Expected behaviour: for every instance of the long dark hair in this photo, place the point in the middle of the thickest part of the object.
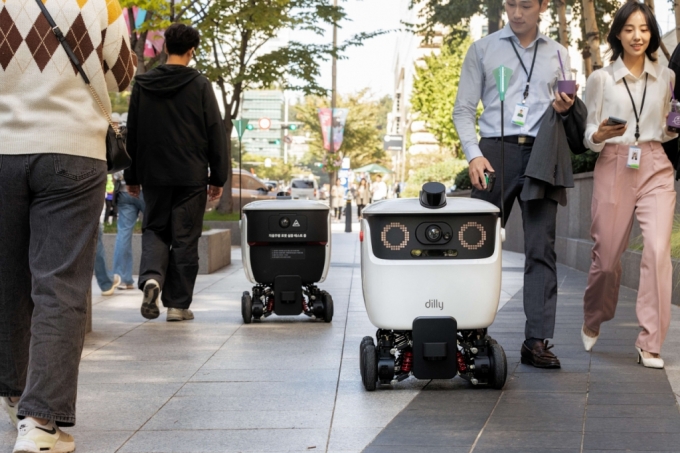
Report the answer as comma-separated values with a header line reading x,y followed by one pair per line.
x,y
620,19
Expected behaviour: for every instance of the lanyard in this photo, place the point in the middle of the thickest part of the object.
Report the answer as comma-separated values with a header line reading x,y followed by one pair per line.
x,y
637,117
529,74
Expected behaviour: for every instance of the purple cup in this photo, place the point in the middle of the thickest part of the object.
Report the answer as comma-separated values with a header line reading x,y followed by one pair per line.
x,y
567,87
673,121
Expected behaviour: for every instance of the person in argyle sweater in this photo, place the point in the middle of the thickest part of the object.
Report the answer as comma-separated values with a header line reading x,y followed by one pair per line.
x,y
52,175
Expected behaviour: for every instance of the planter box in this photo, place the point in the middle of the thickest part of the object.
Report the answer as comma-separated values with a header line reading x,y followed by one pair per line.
x,y
232,225
214,250
573,243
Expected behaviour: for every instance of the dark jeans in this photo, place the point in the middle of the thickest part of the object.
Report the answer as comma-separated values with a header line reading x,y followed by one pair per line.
x,y
173,223
539,219
360,207
49,215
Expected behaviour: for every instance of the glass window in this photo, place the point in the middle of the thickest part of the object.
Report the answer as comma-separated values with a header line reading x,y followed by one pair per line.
x,y
302,184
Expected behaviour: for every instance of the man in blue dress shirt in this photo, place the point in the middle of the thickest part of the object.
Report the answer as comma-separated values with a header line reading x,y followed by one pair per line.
x,y
533,58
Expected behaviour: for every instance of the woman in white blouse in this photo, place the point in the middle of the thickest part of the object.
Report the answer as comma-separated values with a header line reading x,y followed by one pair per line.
x,y
632,176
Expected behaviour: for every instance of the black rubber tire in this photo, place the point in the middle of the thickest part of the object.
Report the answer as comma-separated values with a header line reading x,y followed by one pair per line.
x,y
327,307
364,342
247,307
499,373
370,367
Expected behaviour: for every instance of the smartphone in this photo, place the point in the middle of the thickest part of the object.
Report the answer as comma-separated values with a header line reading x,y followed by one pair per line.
x,y
614,121
490,180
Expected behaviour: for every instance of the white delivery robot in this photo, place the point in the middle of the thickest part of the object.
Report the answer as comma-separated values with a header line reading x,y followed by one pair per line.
x,y
286,247
431,277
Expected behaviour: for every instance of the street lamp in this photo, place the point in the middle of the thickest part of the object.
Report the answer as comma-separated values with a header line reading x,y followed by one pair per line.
x,y
241,126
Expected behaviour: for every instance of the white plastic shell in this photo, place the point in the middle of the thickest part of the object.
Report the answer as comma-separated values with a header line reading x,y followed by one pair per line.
x,y
398,291
279,206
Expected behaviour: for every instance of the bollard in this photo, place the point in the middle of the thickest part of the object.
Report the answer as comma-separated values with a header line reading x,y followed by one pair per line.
x,y
348,216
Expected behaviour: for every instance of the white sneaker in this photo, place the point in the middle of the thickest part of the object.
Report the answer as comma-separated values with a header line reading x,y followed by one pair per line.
x,y
36,438
116,282
152,290
179,314
11,409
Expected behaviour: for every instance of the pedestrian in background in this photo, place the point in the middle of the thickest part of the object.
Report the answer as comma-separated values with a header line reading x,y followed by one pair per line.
x,y
107,280
110,213
533,58
52,177
379,189
633,177
129,209
338,198
178,144
363,196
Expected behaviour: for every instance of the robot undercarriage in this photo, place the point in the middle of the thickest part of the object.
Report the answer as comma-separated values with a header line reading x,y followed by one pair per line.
x,y
478,358
295,300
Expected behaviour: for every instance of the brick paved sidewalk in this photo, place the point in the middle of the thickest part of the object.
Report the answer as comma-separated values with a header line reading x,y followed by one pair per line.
x,y
599,401
293,384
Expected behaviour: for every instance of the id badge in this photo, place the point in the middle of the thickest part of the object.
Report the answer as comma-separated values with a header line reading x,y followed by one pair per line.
x,y
519,118
634,154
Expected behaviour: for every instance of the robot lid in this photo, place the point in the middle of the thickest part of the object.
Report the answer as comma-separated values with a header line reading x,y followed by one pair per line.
x,y
432,200
408,206
285,205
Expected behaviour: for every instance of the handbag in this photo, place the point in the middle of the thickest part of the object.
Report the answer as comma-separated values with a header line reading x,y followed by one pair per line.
x,y
117,157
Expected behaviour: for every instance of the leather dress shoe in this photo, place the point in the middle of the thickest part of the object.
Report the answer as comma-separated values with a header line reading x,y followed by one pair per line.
x,y
539,355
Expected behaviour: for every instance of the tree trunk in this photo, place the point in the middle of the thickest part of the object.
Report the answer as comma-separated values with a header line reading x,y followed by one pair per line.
x,y
494,14
562,30
592,36
587,62
676,8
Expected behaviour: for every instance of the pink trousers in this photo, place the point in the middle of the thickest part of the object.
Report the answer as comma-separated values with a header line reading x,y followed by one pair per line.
x,y
618,193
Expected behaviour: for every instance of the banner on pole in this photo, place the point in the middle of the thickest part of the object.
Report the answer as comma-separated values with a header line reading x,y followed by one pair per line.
x,y
339,119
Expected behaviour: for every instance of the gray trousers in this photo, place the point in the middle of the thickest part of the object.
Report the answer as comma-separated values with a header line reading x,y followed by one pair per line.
x,y
49,214
539,222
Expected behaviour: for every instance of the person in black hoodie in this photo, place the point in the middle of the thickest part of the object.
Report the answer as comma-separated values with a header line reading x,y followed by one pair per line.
x,y
178,145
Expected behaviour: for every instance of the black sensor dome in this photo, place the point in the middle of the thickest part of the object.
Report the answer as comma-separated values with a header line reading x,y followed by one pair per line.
x,y
433,195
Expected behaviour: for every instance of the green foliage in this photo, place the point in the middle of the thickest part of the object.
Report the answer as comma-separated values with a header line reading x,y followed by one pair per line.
x,y
362,142
443,172
604,9
120,102
277,172
463,181
219,217
435,88
455,15
585,162
112,228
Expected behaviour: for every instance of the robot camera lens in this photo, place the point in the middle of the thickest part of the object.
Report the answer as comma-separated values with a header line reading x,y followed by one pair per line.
x,y
433,233
284,222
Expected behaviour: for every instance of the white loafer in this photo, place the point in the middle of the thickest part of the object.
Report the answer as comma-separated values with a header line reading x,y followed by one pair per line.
x,y
588,342
649,362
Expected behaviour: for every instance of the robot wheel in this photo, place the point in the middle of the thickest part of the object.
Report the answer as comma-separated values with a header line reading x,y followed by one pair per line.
x,y
247,307
480,359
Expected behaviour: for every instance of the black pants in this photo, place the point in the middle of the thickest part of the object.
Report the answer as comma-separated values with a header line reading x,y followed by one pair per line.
x,y
539,222
111,211
359,208
173,222
338,212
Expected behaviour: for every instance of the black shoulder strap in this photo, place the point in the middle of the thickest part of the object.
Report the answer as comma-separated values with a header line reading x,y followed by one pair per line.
x,y
62,40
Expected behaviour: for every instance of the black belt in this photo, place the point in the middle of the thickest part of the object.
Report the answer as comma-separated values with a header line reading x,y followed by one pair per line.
x,y
516,139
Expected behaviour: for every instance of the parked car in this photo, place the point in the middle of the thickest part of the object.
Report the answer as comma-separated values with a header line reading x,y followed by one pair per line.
x,y
272,185
252,189
304,188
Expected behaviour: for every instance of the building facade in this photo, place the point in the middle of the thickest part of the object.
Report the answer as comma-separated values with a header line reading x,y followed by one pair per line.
x,y
258,105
